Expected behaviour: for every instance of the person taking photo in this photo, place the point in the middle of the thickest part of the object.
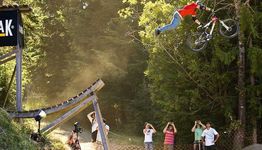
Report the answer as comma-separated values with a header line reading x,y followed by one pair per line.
x,y
148,131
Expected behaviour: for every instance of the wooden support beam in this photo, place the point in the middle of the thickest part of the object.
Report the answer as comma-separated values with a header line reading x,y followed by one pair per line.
x,y
9,87
67,116
6,60
100,123
21,8
19,57
8,54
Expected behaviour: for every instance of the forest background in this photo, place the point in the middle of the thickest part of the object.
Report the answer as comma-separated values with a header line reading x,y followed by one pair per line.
x,y
69,44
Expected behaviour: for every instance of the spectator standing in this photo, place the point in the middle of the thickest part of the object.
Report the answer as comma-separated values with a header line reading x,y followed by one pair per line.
x,y
169,131
197,129
148,131
209,137
92,118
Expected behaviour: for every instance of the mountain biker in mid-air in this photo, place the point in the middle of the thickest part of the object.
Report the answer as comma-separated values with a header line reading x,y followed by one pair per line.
x,y
187,10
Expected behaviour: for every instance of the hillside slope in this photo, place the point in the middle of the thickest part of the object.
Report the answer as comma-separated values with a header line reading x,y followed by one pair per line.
x,y
12,135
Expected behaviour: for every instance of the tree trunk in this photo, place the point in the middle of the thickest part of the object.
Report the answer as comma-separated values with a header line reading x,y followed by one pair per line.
x,y
1,2
239,136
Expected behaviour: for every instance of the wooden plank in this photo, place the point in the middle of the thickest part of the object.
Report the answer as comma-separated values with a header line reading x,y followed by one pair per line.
x,y
101,126
21,8
6,60
8,54
19,68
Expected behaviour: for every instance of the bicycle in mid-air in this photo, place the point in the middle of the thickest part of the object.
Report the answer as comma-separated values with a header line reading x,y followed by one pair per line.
x,y
198,40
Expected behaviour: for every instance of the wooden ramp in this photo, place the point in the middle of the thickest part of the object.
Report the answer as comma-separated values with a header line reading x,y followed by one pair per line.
x,y
96,86
72,107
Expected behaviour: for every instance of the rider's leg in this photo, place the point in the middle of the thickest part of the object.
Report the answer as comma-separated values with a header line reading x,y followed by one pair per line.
x,y
174,23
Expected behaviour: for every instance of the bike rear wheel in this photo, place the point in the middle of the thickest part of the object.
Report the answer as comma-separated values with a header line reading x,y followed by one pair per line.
x,y
232,29
197,41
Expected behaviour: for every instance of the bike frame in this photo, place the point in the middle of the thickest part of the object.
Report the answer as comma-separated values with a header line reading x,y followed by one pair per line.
x,y
198,40
213,22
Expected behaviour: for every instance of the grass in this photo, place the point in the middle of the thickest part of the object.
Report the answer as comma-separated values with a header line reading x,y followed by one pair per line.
x,y
14,136
125,139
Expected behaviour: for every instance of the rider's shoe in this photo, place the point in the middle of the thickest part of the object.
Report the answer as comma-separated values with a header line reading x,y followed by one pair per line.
x,y
157,32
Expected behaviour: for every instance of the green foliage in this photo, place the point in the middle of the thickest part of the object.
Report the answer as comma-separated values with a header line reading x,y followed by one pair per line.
x,y
17,136
251,23
247,22
14,136
147,78
254,55
34,30
185,85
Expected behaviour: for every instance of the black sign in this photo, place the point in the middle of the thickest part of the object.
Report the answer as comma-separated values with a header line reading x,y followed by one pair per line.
x,y
10,25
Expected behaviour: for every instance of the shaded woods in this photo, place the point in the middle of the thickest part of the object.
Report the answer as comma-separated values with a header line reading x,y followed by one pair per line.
x,y
69,44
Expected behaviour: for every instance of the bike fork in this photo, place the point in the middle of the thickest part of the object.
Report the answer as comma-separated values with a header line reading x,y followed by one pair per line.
x,y
209,35
212,28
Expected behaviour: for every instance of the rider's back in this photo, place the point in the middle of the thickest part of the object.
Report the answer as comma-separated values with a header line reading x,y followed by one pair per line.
x,y
189,9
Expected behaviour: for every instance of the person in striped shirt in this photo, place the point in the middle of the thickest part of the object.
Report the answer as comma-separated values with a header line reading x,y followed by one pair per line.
x,y
169,131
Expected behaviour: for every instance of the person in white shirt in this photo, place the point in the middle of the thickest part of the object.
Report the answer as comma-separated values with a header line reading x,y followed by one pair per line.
x,y
209,137
92,118
148,131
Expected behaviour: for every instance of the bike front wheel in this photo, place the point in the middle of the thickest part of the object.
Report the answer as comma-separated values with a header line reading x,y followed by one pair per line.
x,y
229,28
197,41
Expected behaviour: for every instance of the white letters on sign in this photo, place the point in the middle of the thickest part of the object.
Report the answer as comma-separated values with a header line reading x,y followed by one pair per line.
x,y
6,27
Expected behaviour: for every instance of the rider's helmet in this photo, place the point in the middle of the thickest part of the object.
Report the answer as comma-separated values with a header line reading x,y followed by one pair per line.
x,y
202,6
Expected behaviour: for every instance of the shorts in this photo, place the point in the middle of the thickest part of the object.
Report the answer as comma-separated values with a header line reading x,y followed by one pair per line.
x,y
148,145
198,142
94,135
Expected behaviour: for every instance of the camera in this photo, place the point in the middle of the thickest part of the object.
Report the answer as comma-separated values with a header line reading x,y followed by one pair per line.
x,y
77,129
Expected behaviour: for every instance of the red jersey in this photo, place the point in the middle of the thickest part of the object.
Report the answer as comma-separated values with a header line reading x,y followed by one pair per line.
x,y
188,10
